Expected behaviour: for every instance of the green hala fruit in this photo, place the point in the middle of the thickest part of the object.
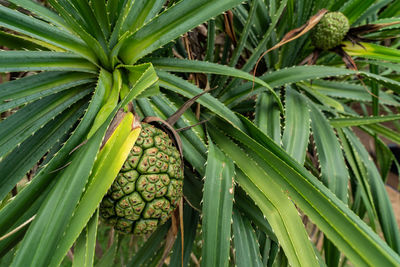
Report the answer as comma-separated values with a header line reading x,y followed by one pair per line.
x,y
330,31
148,187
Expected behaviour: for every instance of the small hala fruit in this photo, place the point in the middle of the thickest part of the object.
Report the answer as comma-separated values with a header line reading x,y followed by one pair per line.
x,y
330,30
149,186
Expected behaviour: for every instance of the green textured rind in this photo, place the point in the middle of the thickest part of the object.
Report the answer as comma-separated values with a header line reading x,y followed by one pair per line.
x,y
148,187
330,31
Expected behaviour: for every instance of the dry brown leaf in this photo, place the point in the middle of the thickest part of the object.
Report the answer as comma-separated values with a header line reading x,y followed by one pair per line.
x,y
229,28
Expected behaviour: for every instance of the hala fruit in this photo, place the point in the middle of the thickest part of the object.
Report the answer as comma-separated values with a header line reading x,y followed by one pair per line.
x,y
330,31
148,187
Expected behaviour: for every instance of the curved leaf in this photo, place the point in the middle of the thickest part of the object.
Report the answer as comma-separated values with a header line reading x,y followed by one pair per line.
x,y
217,208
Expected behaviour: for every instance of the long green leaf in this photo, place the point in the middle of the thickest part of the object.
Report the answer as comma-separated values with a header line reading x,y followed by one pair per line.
x,y
217,208
297,125
363,200
333,168
385,131
7,245
31,88
334,173
372,11
23,217
125,14
112,11
268,117
391,11
245,33
261,46
43,60
247,206
386,158
135,14
387,65
250,21
352,91
87,13
357,121
246,245
99,10
321,98
19,42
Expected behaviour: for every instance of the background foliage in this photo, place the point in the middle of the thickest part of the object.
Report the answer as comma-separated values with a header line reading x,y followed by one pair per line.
x,y
276,174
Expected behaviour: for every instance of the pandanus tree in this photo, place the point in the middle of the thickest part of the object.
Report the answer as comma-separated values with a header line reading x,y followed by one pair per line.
x,y
264,148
